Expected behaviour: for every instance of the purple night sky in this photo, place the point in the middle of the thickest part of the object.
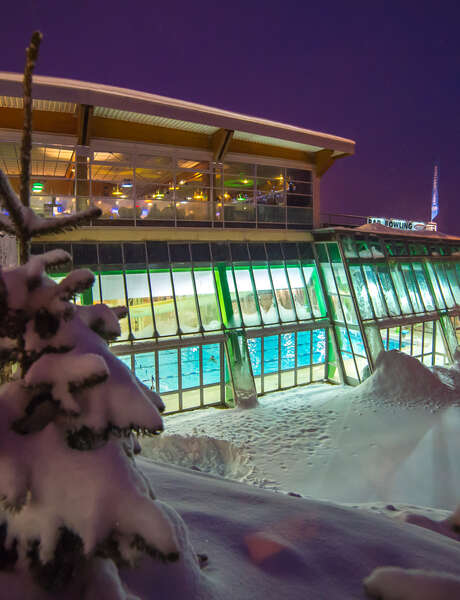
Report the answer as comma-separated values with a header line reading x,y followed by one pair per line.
x,y
385,74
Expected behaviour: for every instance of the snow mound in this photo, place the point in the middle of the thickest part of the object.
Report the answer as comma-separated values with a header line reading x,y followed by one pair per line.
x,y
208,454
403,380
394,583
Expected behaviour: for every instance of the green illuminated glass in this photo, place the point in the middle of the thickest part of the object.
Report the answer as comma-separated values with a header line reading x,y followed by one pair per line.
x,y
265,295
185,301
113,294
283,293
412,287
163,303
423,286
139,306
454,284
374,291
388,291
233,312
315,291
207,300
246,296
362,296
301,300
444,283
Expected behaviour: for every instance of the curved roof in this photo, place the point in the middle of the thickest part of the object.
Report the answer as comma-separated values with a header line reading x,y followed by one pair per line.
x,y
63,95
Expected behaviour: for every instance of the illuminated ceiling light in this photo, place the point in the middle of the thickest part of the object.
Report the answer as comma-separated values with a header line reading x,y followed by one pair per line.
x,y
117,192
245,181
127,183
37,187
181,182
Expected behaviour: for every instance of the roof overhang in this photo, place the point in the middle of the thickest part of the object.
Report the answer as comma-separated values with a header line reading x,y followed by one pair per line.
x,y
123,101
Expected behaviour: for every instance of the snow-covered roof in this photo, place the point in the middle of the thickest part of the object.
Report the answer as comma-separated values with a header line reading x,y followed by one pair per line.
x,y
378,228
61,95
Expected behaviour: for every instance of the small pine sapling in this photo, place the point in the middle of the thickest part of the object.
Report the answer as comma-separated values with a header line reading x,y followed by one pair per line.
x,y
73,504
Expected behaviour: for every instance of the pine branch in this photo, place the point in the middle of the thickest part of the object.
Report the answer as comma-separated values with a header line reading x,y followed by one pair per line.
x,y
40,226
12,204
6,226
26,145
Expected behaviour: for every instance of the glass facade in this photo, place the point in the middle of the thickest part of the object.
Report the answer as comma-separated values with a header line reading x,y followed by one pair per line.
x,y
169,187
213,322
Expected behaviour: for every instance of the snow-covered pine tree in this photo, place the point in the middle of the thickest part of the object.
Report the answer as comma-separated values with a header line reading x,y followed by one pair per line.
x,y
74,507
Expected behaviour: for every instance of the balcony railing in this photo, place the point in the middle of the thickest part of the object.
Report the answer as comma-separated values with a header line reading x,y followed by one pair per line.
x,y
183,213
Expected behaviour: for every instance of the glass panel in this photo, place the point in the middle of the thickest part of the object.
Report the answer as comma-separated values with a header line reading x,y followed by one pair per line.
x,y
207,299
283,294
288,351
271,354
417,339
303,348
394,341
441,354
406,339
246,296
400,288
163,303
315,291
436,289
233,311
349,247
388,291
140,309
266,297
412,287
423,285
190,367
126,360
357,342
428,337
362,296
168,366
185,300
113,294
255,354
443,281
211,363
454,285
319,345
385,339
144,368
374,291
301,301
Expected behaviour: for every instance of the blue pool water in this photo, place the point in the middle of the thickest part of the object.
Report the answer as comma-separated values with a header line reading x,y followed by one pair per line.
x,y
308,343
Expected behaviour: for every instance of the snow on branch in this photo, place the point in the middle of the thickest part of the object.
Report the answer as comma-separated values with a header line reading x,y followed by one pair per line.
x,y
12,205
76,282
39,226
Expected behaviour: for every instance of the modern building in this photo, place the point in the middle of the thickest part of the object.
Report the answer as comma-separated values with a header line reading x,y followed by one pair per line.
x,y
210,234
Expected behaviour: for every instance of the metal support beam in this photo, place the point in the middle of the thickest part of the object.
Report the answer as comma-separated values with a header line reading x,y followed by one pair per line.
x,y
220,142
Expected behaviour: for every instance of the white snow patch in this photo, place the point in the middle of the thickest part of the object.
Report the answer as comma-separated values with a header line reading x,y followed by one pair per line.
x,y
393,583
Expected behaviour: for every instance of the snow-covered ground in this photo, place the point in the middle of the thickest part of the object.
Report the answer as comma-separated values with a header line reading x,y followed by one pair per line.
x,y
393,439
360,483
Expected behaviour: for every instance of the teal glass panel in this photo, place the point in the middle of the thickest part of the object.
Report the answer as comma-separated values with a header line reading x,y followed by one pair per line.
x,y
319,345
344,340
454,283
246,295
211,363
315,290
435,285
139,306
126,360
265,296
374,291
357,342
417,339
301,301
388,291
406,339
423,286
412,288
207,299
255,354
235,320
185,300
283,294
401,290
385,339
163,303
362,296
394,341
190,367
303,348
271,354
444,283
168,367
287,351
113,294
144,368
